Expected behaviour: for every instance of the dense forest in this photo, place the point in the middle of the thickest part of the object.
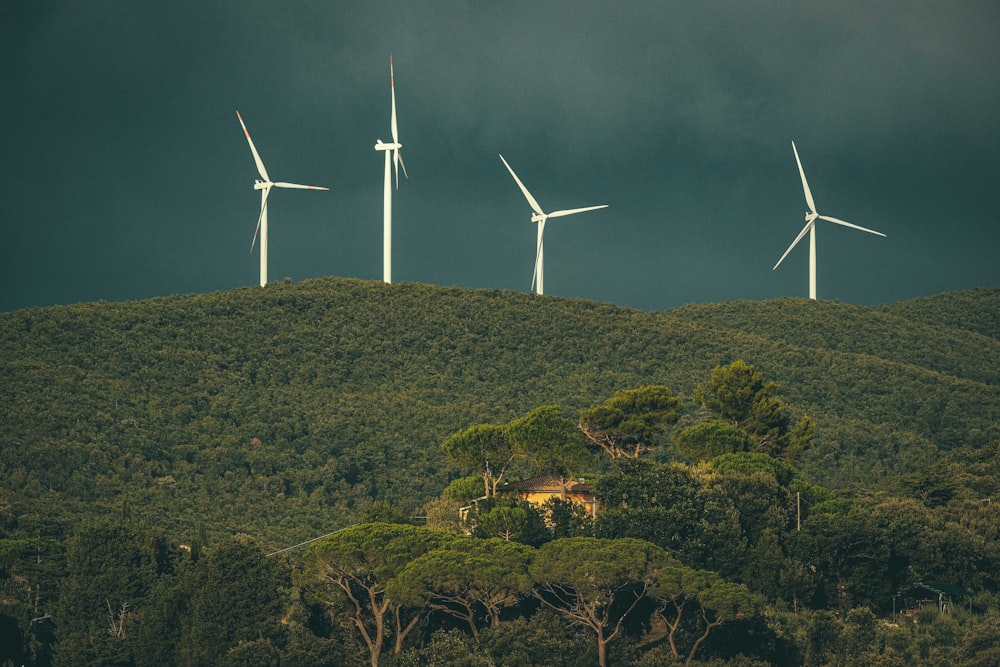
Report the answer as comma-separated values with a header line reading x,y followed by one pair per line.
x,y
780,482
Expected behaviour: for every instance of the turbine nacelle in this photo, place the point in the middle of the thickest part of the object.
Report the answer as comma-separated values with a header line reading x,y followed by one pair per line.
x,y
262,185
382,146
538,217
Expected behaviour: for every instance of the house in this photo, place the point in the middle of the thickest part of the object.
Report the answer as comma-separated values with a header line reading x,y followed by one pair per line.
x,y
936,594
537,490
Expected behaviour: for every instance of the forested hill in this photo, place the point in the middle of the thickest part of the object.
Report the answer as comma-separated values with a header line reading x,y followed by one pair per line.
x,y
962,348
282,411
973,310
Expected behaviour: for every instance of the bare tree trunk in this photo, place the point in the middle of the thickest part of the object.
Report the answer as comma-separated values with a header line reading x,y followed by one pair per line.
x,y
602,649
708,628
116,620
402,632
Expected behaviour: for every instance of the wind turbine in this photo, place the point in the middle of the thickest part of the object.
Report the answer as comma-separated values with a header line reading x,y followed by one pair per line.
x,y
811,217
264,184
387,189
539,217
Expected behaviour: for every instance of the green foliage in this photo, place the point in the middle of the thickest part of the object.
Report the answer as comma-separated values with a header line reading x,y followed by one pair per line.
x,y
443,514
259,652
511,519
467,578
629,423
464,489
650,501
111,571
350,572
972,310
761,500
747,463
584,577
235,597
277,411
451,648
381,511
738,394
544,639
289,411
551,442
709,439
567,519
483,448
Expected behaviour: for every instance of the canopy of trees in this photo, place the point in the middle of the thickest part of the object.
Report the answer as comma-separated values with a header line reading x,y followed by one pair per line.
x,y
798,463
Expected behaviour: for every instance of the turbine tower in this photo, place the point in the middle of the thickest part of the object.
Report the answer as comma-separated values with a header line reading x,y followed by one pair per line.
x,y
811,217
264,184
397,159
539,217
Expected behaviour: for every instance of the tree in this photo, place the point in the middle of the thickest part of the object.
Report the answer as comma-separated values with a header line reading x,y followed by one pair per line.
x,y
484,448
511,519
749,463
628,423
762,502
647,500
706,440
551,442
849,554
539,639
453,648
567,519
666,505
769,572
235,594
352,570
443,514
738,395
678,587
596,582
112,568
466,577
721,601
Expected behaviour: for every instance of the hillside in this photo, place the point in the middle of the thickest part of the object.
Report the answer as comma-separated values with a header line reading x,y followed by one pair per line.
x,y
283,411
972,310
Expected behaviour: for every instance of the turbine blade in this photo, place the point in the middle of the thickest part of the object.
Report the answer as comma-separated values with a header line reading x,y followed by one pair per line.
x,y
392,122
527,195
263,207
559,214
399,157
805,184
253,149
847,224
798,238
296,186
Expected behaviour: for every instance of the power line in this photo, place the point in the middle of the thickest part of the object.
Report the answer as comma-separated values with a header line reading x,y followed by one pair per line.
x,y
302,544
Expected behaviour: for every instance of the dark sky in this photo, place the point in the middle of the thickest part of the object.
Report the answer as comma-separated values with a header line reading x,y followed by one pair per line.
x,y
125,174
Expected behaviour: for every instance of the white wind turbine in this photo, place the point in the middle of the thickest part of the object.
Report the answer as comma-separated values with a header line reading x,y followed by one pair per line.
x,y
539,217
811,217
264,184
387,189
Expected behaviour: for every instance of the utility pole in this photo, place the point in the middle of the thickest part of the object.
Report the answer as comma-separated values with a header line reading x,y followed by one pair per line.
x,y
798,510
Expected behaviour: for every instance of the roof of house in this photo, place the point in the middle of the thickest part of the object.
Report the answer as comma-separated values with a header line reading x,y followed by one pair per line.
x,y
544,483
940,587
